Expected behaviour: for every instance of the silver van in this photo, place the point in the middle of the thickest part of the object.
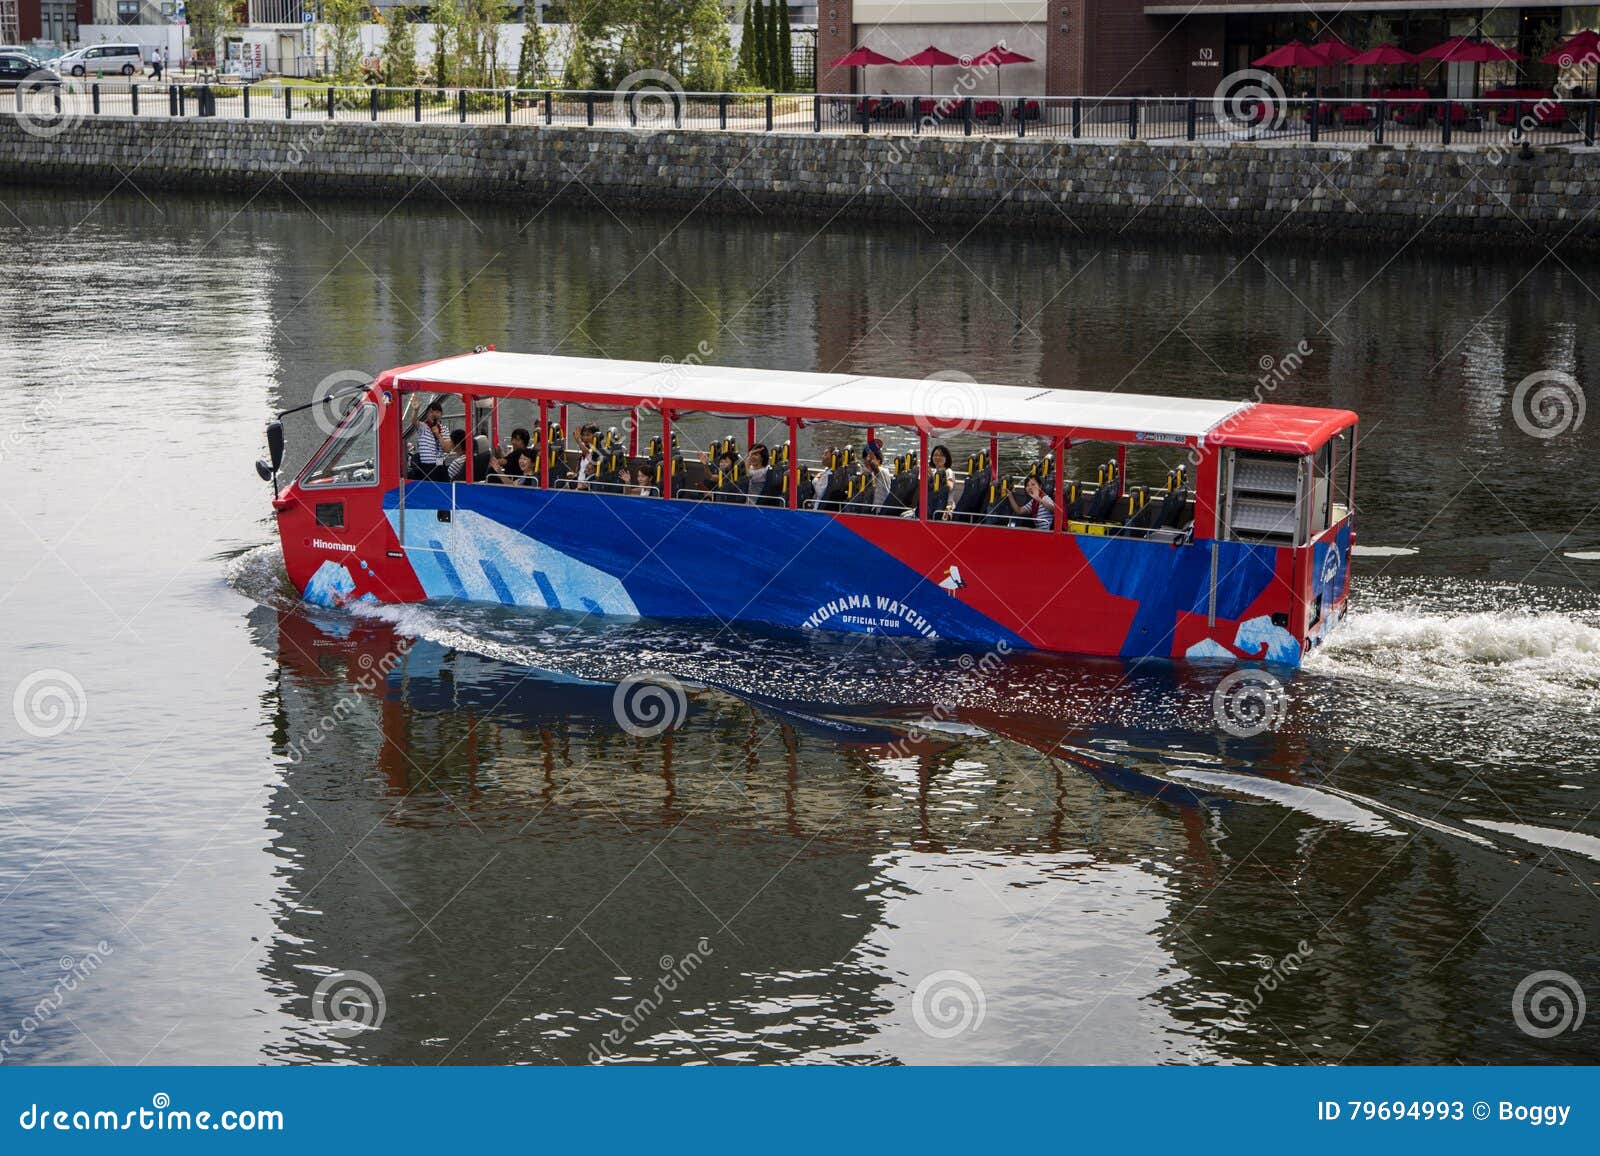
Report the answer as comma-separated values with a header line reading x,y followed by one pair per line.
x,y
101,59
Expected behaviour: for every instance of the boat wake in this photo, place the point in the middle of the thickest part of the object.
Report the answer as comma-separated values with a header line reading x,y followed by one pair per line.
x,y
258,574
1526,651
1540,644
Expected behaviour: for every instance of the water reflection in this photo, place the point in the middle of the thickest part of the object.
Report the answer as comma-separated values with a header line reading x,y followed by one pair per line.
x,y
838,821
517,873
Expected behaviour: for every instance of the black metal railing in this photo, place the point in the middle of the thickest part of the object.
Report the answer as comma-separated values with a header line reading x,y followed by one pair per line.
x,y
1487,122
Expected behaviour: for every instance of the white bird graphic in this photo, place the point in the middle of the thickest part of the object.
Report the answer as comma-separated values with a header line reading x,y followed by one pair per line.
x,y
952,580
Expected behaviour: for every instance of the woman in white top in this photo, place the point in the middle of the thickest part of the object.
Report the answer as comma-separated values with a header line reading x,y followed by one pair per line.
x,y
755,465
1038,508
873,469
636,482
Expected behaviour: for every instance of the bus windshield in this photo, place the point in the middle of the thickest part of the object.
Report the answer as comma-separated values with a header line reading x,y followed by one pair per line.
x,y
351,456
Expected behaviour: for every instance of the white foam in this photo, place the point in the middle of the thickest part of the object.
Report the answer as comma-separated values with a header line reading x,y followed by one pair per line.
x,y
1582,555
258,574
1306,800
418,620
1384,551
1544,655
1554,838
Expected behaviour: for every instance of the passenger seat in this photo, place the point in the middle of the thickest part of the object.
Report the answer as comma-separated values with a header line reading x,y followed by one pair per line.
x,y
903,490
972,503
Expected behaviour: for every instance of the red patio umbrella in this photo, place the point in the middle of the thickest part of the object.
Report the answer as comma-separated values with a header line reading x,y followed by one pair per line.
x,y
1582,44
995,57
1384,54
1337,52
1294,55
860,58
930,58
1466,50
1334,50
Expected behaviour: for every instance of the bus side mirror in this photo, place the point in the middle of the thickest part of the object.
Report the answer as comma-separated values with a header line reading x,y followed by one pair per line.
x,y
275,443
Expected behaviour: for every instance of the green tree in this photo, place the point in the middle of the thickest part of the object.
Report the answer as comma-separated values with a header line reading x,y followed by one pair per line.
x,y
760,55
339,33
785,48
446,25
652,34
747,44
709,48
533,60
399,53
478,42
208,20
590,24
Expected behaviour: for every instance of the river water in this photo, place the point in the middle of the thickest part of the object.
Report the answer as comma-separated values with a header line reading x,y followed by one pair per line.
x,y
1076,865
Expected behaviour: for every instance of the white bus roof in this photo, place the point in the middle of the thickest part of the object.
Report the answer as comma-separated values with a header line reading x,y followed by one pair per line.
x,y
820,396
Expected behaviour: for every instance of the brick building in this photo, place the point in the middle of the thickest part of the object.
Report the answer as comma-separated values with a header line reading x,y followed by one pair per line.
x,y
57,20
1170,47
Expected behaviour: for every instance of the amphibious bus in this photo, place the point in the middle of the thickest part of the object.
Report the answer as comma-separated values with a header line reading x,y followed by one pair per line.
x,y
1095,523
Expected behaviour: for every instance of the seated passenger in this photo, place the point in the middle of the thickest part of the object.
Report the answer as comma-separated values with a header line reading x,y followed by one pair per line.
x,y
755,464
942,496
455,461
588,455
520,452
427,456
1038,507
637,482
497,471
873,469
528,469
711,477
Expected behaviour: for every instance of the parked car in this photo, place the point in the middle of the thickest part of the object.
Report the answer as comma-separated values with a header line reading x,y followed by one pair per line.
x,y
101,59
17,68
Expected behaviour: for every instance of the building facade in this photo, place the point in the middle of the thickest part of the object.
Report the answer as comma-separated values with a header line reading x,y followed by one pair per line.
x,y
1175,47
56,21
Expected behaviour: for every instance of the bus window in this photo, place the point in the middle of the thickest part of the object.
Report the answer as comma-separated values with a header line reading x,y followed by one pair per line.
x,y
1319,506
350,458
1344,470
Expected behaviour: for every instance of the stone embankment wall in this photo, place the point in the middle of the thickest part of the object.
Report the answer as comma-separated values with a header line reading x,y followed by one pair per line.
x,y
1374,195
